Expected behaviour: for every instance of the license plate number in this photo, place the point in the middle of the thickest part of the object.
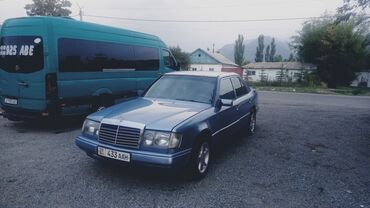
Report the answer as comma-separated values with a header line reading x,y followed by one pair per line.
x,y
11,101
123,156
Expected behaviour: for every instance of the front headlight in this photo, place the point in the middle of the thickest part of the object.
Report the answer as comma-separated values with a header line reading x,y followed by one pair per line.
x,y
91,128
162,139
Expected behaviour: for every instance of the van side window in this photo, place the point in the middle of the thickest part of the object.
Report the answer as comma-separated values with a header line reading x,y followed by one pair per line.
x,y
226,89
168,60
146,58
240,88
97,56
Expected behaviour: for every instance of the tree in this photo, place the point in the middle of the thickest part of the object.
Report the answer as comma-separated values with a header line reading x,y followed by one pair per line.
x,y
277,58
337,49
291,57
282,75
263,76
273,50
260,48
49,8
350,8
181,57
239,51
267,54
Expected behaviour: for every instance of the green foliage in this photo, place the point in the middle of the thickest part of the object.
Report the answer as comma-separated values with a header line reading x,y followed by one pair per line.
x,y
181,57
278,58
350,8
270,51
282,75
48,8
260,48
291,58
338,49
311,79
239,51
263,77
273,50
267,54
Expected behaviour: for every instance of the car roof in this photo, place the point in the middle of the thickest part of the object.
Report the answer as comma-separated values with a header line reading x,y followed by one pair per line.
x,y
203,73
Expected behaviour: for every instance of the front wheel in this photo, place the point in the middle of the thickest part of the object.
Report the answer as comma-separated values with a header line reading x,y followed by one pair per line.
x,y
200,160
252,123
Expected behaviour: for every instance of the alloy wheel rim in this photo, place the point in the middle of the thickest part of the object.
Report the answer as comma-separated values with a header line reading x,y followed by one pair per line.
x,y
203,158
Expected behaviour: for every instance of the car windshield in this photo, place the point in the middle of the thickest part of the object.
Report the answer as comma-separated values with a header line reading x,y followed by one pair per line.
x,y
186,88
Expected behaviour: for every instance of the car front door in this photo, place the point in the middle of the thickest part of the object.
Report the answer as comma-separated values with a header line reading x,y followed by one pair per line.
x,y
224,120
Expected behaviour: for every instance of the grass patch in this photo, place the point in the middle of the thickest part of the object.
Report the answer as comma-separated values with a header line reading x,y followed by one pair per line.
x,y
295,87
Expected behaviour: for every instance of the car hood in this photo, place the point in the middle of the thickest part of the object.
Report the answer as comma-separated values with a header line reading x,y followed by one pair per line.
x,y
158,114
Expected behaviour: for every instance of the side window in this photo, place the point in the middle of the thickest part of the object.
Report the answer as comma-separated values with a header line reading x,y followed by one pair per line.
x,y
168,60
240,88
97,56
146,58
245,85
93,56
226,89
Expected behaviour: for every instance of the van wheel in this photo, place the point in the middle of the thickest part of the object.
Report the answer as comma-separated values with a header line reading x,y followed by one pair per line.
x,y
200,160
102,102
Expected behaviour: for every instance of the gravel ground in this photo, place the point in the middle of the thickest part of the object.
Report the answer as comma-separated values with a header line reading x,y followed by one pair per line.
x,y
309,151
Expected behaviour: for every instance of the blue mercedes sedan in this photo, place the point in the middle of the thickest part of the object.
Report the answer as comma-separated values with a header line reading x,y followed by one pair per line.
x,y
175,123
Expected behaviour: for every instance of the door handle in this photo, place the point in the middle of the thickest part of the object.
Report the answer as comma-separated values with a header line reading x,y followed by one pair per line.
x,y
23,84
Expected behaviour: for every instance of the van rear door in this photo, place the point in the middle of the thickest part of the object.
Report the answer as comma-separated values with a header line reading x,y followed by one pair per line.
x,y
22,63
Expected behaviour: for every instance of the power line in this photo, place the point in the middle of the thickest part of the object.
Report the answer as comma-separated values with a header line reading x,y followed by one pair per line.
x,y
214,6
202,21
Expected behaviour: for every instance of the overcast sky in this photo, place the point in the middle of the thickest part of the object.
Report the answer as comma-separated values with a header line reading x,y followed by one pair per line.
x,y
190,36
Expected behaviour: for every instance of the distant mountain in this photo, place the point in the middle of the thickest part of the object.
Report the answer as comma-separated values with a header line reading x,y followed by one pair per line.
x,y
282,48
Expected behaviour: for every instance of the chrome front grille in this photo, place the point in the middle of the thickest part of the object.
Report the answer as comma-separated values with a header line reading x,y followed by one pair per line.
x,y
120,136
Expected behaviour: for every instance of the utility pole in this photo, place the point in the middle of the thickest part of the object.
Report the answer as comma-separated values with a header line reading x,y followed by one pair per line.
x,y
80,13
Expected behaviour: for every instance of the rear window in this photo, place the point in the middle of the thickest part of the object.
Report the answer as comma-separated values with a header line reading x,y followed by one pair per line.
x,y
96,56
21,54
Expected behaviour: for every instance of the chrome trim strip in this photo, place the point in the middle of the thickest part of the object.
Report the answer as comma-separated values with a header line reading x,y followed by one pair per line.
x,y
230,124
123,123
119,70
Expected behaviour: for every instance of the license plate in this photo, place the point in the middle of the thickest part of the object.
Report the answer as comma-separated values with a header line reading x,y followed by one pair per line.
x,y
123,156
11,101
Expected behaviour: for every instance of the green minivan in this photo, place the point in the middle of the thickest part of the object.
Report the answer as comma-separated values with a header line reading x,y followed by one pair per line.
x,y
52,66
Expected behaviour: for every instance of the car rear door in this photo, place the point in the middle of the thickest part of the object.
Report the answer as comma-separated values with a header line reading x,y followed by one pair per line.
x,y
243,102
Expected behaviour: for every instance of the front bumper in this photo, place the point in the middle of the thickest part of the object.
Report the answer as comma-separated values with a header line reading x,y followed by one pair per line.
x,y
176,160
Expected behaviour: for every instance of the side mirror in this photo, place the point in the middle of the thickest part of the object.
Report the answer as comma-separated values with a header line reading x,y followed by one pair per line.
x,y
140,93
227,102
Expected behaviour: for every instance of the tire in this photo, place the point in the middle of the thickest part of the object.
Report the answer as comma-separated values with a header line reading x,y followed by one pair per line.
x,y
252,123
200,160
